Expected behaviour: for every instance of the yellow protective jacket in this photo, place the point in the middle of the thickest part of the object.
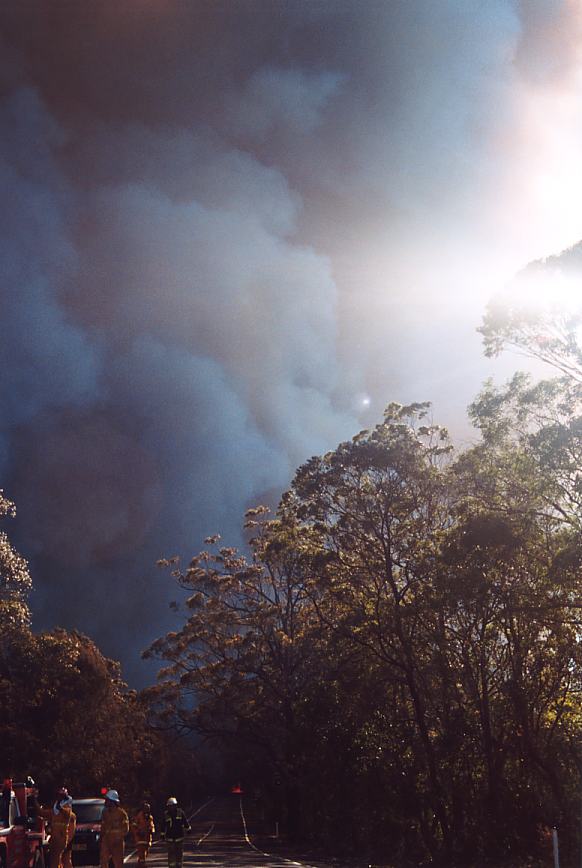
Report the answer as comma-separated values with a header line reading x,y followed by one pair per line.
x,y
63,827
114,823
143,827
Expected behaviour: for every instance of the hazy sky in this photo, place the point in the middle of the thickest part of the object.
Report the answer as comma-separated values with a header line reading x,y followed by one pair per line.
x,y
231,233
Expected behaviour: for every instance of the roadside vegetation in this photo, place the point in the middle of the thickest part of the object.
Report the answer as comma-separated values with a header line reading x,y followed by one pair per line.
x,y
392,667
66,716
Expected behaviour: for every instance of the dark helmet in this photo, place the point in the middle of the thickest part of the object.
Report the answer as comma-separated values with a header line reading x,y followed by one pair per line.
x,y
61,793
146,807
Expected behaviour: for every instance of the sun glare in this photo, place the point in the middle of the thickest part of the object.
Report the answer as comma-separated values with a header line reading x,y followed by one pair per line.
x,y
548,291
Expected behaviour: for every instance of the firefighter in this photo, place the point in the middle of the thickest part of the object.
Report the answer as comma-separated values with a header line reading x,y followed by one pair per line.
x,y
114,828
176,825
143,831
63,824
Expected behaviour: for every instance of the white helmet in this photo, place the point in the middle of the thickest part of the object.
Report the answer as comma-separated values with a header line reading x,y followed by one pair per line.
x,y
112,796
171,801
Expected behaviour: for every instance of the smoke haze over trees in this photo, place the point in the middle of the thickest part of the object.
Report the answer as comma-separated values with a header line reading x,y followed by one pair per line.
x,y
231,233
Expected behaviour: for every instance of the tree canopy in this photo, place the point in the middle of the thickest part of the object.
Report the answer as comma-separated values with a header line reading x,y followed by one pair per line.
x,y
67,718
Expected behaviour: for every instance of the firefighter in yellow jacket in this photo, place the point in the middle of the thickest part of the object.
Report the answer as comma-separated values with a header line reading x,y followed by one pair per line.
x,y
63,824
114,828
143,832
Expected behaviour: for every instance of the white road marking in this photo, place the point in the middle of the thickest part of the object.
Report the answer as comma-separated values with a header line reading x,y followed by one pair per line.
x,y
201,808
203,838
262,852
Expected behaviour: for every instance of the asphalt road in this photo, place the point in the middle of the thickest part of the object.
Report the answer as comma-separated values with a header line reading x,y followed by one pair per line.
x,y
222,837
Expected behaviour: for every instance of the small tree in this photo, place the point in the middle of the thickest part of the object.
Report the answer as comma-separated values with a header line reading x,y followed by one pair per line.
x,y
239,669
15,581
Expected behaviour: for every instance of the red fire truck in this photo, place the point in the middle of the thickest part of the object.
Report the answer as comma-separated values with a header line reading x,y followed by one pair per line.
x,y
23,839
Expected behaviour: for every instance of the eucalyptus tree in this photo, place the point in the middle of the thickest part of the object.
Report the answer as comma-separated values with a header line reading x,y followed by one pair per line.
x,y
241,666
452,577
525,478
379,504
548,332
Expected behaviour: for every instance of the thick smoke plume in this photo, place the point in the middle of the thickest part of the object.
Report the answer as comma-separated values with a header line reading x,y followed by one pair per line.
x,y
230,234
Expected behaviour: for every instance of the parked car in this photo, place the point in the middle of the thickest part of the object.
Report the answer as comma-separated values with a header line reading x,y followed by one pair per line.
x,y
86,840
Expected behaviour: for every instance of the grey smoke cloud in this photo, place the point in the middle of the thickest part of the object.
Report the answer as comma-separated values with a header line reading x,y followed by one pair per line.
x,y
273,98
549,48
231,233
46,360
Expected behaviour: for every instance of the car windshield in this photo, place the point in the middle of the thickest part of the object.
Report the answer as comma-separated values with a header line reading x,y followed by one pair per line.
x,y
88,813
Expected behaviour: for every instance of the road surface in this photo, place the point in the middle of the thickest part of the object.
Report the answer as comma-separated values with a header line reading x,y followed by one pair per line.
x,y
222,837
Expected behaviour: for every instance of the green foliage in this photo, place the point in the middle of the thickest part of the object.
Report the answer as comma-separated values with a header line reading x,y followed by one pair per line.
x,y
15,581
67,718
240,666
533,432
